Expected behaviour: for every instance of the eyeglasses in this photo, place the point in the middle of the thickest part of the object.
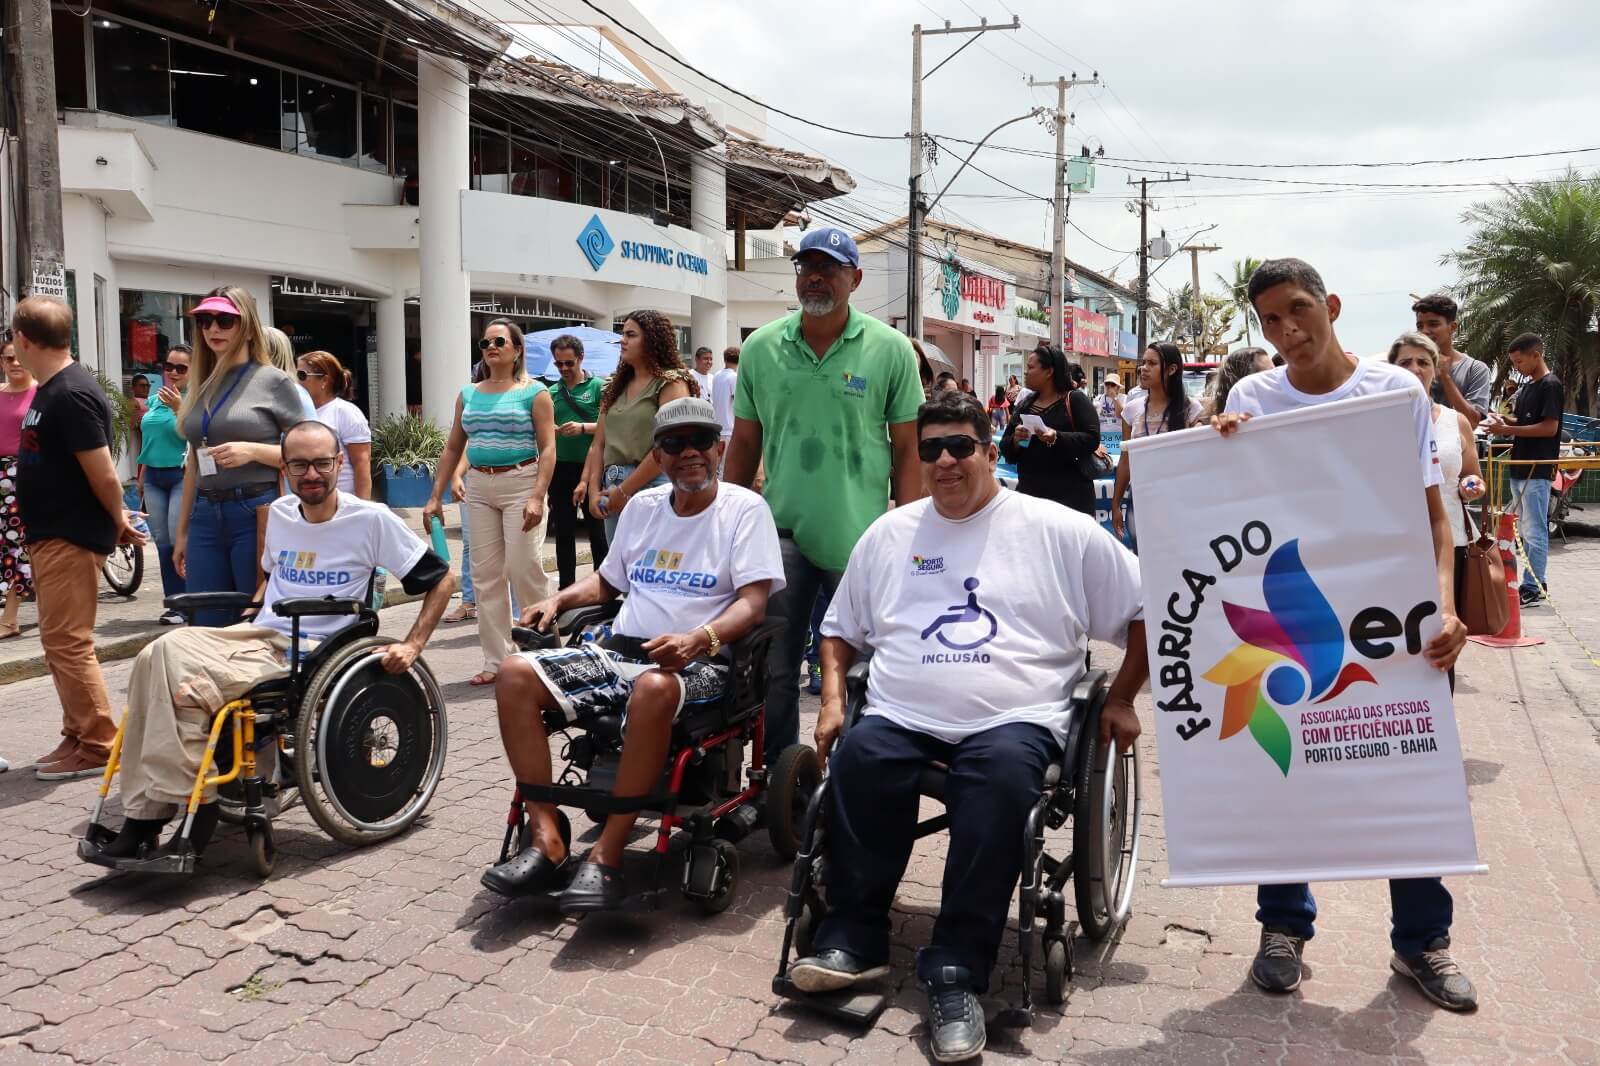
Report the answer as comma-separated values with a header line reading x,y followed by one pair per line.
x,y
566,364
820,265
491,342
299,467
303,374
222,320
175,368
959,445
701,441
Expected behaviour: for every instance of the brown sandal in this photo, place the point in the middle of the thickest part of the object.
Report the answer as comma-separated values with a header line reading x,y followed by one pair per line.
x,y
466,612
8,630
482,678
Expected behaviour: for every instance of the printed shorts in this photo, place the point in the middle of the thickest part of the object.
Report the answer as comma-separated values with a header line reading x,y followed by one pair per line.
x,y
597,677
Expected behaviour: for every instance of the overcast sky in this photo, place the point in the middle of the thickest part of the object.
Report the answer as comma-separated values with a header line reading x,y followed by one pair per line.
x,y
1231,81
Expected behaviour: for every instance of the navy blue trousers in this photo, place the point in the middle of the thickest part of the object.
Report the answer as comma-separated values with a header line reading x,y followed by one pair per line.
x,y
1420,910
995,780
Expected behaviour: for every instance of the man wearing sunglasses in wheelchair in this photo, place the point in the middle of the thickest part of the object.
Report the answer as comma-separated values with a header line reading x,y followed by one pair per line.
x,y
320,542
977,605
697,560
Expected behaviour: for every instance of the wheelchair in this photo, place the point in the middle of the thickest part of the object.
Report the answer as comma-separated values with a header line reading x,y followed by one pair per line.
x,y
704,790
362,748
1092,785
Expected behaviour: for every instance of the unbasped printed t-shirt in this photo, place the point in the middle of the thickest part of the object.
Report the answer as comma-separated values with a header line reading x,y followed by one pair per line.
x,y
985,621
679,574
333,558
1269,393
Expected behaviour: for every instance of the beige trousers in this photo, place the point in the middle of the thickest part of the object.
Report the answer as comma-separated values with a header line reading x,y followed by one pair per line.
x,y
66,579
502,552
178,685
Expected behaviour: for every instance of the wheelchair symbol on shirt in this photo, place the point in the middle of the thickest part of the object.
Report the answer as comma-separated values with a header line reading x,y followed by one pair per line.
x,y
963,614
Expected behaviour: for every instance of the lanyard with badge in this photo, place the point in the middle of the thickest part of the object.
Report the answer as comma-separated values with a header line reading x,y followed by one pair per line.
x,y
203,457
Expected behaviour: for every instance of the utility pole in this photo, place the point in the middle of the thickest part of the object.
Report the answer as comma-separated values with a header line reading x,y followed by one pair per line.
x,y
1058,240
40,245
1196,304
914,216
1144,252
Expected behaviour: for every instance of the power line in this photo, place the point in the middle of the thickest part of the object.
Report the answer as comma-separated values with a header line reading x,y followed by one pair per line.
x,y
1385,163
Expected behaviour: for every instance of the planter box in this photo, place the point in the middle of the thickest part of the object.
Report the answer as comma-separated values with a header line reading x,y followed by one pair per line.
x,y
408,486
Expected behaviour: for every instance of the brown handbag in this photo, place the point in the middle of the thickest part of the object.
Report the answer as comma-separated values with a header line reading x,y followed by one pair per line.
x,y
1481,601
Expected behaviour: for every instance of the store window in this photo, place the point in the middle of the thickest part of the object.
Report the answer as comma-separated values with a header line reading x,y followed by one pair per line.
x,y
319,119
72,74
405,149
225,95
374,133
591,183
151,322
491,161
132,72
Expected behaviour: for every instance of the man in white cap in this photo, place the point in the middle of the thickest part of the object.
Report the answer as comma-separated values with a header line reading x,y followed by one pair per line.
x,y
697,560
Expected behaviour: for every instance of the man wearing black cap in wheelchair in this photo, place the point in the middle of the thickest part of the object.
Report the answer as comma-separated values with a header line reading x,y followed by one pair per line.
x,y
319,542
697,560
977,604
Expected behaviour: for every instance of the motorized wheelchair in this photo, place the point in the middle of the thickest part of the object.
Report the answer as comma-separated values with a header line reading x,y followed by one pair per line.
x,y
1092,784
704,789
364,749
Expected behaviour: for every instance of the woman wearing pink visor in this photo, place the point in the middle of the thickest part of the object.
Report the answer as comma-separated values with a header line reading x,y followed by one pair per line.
x,y
234,414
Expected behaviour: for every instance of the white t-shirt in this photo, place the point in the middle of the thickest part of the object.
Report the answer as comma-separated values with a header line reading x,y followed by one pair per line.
x,y
722,386
681,573
1146,423
986,621
704,381
346,419
333,558
1269,393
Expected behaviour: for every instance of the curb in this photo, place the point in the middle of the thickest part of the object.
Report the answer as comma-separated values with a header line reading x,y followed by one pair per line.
x,y
126,647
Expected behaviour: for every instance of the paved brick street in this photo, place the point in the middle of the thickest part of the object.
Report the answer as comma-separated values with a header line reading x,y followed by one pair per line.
x,y
396,954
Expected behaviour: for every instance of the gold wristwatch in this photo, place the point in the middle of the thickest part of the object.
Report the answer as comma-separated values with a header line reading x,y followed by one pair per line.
x,y
716,641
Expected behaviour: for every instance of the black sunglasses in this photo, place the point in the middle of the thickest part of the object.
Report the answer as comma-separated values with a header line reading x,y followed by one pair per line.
x,y
175,368
491,342
566,365
959,445
701,441
222,320
303,374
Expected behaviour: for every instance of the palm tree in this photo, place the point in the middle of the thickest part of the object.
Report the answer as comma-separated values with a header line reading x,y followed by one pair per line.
x,y
1238,290
1533,263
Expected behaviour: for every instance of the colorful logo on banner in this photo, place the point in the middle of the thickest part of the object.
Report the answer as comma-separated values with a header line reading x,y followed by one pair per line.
x,y
595,242
1296,646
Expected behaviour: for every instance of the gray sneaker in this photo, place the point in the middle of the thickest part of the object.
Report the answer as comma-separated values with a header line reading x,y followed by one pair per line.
x,y
1437,974
1277,964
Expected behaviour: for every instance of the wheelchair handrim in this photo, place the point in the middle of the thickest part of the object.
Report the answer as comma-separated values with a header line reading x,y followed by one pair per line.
x,y
1110,843
435,774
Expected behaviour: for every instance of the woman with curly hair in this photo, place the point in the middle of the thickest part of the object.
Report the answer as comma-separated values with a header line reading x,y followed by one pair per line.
x,y
649,374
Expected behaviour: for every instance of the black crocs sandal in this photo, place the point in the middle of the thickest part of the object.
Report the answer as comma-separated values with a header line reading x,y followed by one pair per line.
x,y
595,887
526,873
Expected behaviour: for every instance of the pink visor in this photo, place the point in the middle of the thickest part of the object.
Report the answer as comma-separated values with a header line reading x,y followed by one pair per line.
x,y
217,304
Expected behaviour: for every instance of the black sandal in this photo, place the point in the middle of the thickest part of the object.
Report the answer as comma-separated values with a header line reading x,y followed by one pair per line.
x,y
594,887
526,873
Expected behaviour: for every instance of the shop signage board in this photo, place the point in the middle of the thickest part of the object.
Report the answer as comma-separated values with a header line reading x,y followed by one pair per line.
x,y
1302,734
1086,332
974,295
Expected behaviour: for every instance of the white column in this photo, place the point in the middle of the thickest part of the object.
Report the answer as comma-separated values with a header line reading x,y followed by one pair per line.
x,y
708,212
443,161
391,323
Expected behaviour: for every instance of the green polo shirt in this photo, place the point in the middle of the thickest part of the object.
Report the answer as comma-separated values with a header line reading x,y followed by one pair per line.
x,y
825,426
581,404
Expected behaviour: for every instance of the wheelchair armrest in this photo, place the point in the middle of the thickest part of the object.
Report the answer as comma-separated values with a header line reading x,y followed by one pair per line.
x,y
187,602
754,645
527,638
579,617
305,606
1091,690
855,690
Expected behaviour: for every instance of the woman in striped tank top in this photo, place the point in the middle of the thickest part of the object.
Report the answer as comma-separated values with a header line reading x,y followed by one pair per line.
x,y
505,423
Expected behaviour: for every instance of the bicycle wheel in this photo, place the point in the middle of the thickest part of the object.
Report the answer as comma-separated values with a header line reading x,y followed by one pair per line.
x,y
124,569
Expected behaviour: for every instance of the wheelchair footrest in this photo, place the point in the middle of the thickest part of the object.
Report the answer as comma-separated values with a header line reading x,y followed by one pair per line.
x,y
164,860
847,1005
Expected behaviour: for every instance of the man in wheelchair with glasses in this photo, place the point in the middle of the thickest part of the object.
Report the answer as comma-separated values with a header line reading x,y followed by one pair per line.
x,y
977,605
697,560
319,542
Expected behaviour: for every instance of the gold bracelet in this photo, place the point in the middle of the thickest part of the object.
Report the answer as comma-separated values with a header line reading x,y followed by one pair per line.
x,y
716,641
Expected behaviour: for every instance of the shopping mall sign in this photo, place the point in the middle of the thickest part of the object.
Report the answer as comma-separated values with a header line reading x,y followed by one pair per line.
x,y
1086,333
965,295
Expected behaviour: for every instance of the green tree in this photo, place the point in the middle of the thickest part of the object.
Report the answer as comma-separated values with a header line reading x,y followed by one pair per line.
x,y
1238,290
1533,263
1174,320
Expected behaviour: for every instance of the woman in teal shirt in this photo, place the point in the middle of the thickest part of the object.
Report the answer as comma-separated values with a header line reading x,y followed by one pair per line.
x,y
161,468
506,425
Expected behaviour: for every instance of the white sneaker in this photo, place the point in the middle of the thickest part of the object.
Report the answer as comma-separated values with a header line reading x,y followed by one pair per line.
x,y
4,766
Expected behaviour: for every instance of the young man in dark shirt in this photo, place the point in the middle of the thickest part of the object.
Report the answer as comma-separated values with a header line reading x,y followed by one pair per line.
x,y
71,500
1535,434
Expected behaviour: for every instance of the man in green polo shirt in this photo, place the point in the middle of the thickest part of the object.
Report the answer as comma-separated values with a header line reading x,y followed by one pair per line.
x,y
577,403
827,397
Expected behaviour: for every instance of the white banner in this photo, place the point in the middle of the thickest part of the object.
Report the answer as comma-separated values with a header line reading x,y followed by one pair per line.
x,y
1289,587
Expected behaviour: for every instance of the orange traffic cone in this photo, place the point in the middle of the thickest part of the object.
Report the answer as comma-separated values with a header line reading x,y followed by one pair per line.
x,y
1511,636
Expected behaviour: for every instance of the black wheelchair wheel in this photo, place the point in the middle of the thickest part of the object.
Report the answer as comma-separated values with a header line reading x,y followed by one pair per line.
x,y
370,745
723,877
1057,971
795,776
1105,832
124,569
263,852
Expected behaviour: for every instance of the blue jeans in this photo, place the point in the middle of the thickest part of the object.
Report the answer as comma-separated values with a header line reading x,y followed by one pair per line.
x,y
804,582
610,478
1532,496
163,502
467,595
221,551
1420,909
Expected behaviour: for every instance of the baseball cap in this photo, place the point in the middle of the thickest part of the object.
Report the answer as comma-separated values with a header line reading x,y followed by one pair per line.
x,y
216,304
836,242
688,412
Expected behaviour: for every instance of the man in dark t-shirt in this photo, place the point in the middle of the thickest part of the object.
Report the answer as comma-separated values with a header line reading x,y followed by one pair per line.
x,y
71,501
1535,434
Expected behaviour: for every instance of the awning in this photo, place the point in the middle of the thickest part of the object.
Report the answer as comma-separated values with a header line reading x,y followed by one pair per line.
x,y
939,361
